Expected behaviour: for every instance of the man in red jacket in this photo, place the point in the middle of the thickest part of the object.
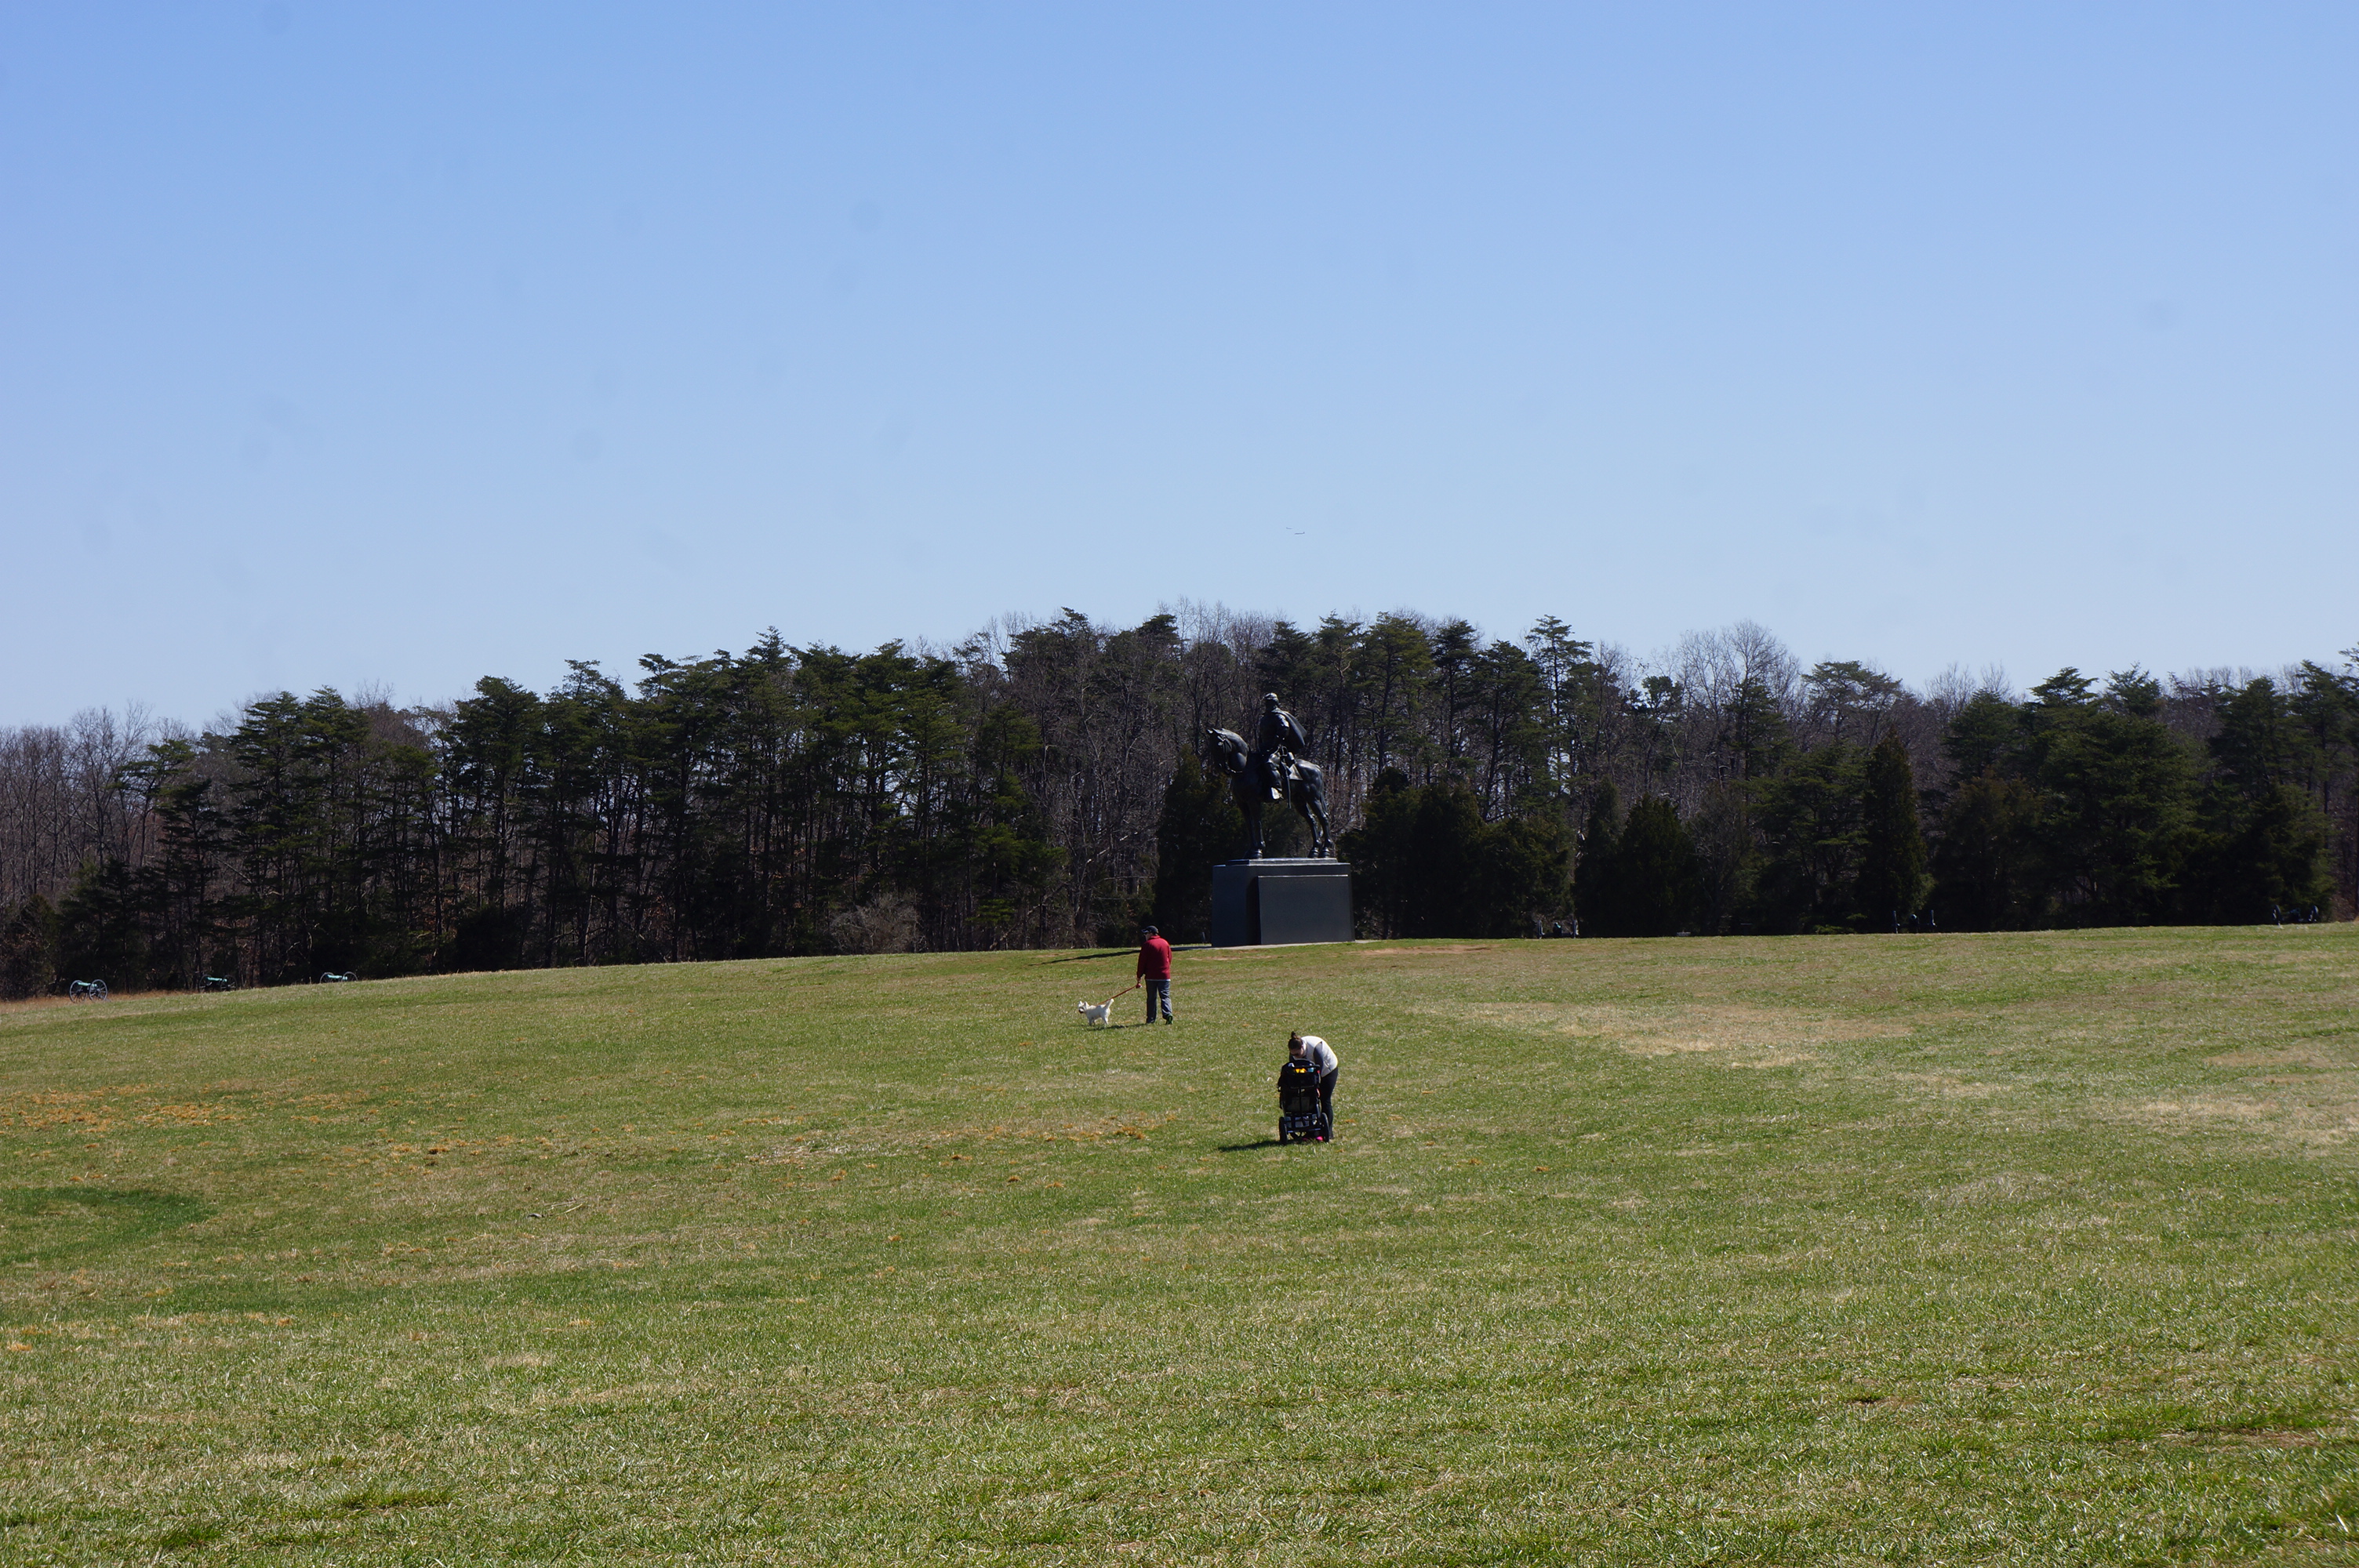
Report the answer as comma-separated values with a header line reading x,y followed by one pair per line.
x,y
1154,972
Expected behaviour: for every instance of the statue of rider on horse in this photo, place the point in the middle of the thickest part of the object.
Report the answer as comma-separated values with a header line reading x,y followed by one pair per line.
x,y
1274,769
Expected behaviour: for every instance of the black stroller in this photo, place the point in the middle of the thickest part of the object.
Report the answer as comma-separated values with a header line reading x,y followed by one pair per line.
x,y
1299,1116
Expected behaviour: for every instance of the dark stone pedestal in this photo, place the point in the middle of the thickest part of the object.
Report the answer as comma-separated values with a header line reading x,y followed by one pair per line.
x,y
1262,903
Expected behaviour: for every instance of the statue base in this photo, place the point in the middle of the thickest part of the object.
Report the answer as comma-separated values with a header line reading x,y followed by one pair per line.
x,y
1267,904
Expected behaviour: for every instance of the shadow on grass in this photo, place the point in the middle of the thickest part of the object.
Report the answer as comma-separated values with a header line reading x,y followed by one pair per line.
x,y
187,1535
52,1223
377,1497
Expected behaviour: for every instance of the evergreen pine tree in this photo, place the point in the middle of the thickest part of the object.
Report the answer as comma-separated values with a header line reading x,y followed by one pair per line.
x,y
2116,797
2260,842
1200,827
1892,850
1445,865
1379,851
1654,873
1593,876
1525,864
1810,829
101,933
1987,863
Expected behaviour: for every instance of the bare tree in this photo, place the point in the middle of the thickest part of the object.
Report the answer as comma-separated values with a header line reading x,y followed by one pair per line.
x,y
61,809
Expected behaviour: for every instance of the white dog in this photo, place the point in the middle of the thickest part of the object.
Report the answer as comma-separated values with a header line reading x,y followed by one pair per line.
x,y
1096,1012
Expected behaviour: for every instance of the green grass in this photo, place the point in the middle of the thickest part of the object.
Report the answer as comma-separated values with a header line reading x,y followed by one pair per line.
x,y
1976,1248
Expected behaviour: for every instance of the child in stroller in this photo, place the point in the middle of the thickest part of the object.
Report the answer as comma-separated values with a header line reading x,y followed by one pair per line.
x,y
1298,1114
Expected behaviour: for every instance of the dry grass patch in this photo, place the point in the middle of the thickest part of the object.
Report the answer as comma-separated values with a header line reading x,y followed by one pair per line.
x,y
2326,1116
1762,1036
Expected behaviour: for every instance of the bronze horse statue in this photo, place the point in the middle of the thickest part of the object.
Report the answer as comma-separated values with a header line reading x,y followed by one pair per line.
x,y
1255,782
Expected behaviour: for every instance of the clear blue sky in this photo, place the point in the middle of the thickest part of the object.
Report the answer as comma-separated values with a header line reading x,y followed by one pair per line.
x,y
412,343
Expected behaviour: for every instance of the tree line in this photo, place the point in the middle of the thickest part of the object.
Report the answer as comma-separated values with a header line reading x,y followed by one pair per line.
x,y
1041,783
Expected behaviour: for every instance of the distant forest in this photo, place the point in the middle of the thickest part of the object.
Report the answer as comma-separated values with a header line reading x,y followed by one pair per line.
x,y
1039,784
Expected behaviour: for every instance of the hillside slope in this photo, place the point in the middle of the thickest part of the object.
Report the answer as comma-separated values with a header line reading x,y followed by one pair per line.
x,y
2017,1248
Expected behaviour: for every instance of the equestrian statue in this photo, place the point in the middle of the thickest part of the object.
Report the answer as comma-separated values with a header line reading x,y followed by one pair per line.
x,y
1273,770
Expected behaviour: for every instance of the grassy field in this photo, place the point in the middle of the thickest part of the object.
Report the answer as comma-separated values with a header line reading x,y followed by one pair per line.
x,y
2029,1248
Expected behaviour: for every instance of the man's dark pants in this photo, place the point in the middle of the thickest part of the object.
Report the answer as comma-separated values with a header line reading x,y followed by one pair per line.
x,y
1158,992
1327,1099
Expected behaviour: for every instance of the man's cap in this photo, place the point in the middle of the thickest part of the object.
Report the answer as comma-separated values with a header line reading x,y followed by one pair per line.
x,y
1146,931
